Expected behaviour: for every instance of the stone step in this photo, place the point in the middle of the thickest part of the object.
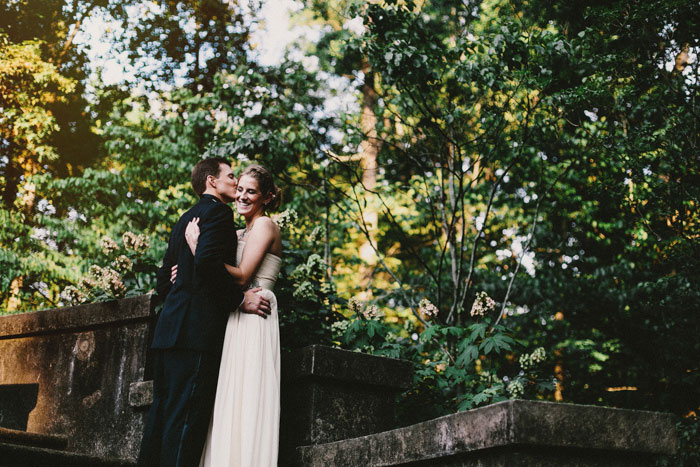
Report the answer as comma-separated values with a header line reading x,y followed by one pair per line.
x,y
37,440
17,455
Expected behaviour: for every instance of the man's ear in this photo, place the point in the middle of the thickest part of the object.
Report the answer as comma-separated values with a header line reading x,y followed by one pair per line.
x,y
211,181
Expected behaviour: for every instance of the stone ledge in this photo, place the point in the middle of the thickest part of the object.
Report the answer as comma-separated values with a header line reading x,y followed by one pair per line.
x,y
344,365
321,362
39,440
75,317
577,431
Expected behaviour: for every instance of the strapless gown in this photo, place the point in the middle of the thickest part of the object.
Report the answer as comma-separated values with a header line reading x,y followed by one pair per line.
x,y
244,431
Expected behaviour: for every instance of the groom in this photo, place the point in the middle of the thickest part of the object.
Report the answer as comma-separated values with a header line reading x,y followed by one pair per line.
x,y
189,334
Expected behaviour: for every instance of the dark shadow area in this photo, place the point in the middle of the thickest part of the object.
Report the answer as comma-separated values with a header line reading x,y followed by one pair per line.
x,y
16,402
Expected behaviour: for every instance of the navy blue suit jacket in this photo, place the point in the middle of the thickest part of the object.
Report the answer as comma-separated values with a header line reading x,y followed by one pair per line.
x,y
198,304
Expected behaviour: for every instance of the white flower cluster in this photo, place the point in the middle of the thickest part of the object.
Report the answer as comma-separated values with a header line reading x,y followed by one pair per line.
x,y
339,328
529,360
314,266
369,312
137,243
87,283
355,305
108,245
483,304
107,282
73,295
285,218
304,291
108,279
315,262
489,378
317,233
391,337
122,263
515,389
427,308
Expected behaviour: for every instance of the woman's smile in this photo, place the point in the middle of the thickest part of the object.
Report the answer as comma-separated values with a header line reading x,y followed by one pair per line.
x,y
249,199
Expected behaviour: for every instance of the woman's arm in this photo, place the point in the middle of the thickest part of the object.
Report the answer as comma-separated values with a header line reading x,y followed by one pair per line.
x,y
260,238
258,243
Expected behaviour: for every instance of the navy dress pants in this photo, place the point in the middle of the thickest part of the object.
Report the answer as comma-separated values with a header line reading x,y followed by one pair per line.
x,y
184,388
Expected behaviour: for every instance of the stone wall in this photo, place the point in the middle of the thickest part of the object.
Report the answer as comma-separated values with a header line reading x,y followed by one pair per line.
x,y
76,375
330,394
67,372
524,433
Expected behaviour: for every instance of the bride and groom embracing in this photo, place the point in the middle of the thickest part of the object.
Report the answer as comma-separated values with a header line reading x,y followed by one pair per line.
x,y
216,373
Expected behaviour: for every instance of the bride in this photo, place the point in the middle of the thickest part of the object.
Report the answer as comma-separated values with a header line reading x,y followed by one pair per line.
x,y
244,431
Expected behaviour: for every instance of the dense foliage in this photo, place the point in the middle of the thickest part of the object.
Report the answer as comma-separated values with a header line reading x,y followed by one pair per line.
x,y
510,201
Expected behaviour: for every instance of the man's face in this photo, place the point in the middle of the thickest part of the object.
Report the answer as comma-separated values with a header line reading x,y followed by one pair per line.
x,y
225,184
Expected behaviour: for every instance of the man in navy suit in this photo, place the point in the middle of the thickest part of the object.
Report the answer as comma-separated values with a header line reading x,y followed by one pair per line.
x,y
189,333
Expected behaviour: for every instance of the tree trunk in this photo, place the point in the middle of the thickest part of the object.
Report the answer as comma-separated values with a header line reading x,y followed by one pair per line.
x,y
370,149
559,368
9,193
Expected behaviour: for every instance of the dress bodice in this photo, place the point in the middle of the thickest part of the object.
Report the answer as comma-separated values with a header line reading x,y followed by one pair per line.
x,y
268,270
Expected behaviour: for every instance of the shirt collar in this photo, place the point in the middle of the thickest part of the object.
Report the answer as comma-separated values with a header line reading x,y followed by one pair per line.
x,y
210,197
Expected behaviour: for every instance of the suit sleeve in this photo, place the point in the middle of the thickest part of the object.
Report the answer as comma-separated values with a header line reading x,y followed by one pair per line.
x,y
163,284
211,250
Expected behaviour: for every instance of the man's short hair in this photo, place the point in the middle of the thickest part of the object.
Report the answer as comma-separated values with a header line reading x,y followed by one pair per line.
x,y
204,168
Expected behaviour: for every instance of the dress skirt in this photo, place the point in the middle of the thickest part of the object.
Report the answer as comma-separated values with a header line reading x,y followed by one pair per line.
x,y
244,430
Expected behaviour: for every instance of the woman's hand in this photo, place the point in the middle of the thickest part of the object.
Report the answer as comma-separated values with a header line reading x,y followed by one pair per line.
x,y
192,234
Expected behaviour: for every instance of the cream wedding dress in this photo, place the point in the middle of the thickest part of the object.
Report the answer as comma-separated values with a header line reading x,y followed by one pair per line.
x,y
244,431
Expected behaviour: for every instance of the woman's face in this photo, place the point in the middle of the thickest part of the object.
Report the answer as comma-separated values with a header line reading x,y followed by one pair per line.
x,y
249,199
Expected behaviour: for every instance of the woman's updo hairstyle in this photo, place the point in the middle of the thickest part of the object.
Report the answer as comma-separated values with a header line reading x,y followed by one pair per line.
x,y
266,184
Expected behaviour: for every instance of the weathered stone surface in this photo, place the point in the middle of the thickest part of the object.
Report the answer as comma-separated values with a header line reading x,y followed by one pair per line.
x,y
510,433
80,362
13,455
141,394
352,367
330,394
327,394
74,318
33,439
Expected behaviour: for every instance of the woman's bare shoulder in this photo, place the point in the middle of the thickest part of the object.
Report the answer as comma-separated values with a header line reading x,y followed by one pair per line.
x,y
266,223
